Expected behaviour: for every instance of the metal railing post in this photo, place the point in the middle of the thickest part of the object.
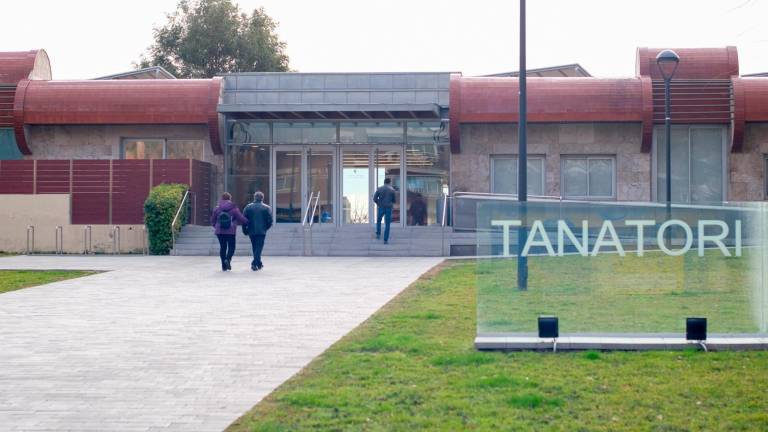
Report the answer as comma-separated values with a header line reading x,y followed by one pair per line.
x,y
116,240
314,210
304,220
144,247
87,240
443,222
30,240
58,234
308,221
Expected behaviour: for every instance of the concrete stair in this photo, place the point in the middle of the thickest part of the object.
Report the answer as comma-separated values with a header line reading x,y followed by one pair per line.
x,y
290,240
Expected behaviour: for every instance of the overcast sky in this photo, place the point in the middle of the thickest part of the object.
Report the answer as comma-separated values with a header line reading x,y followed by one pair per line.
x,y
90,38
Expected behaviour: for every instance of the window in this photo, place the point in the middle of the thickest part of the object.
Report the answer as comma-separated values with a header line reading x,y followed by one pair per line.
x,y
504,175
765,176
427,171
427,132
184,149
157,148
304,133
372,132
8,148
698,164
143,149
588,176
244,132
248,169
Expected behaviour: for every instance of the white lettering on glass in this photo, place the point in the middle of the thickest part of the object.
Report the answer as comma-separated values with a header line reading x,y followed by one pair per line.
x,y
712,232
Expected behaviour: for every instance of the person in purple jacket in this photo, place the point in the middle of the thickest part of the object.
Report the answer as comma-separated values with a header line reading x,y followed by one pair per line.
x,y
224,219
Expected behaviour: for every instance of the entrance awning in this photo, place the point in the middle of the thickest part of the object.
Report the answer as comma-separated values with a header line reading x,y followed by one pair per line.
x,y
331,111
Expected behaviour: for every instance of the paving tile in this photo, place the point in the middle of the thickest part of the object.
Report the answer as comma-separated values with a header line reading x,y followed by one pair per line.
x,y
170,343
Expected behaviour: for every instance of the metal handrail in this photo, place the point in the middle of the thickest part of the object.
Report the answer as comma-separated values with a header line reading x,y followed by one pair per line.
x,y
58,234
502,195
115,239
175,218
306,212
314,210
87,240
30,250
446,197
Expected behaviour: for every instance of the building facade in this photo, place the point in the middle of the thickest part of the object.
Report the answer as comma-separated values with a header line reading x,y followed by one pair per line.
x,y
336,136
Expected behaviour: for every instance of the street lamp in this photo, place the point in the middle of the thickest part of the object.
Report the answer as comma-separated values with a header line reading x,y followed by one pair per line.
x,y
668,61
522,159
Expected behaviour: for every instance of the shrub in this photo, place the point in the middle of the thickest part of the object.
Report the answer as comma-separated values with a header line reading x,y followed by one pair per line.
x,y
159,210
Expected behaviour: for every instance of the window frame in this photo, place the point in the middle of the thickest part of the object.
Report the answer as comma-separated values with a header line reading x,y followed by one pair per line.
x,y
165,141
725,173
588,197
516,157
765,176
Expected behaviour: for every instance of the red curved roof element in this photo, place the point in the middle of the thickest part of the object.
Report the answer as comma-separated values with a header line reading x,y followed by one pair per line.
x,y
695,63
18,118
647,126
495,100
120,102
17,66
454,101
755,99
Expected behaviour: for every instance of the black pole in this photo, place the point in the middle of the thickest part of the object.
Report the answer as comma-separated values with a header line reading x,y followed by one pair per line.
x,y
522,160
668,132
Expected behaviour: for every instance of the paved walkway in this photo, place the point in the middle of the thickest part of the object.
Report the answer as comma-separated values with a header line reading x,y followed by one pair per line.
x,y
169,343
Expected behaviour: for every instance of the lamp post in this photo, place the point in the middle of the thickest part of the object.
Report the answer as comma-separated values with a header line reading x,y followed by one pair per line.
x,y
522,159
668,61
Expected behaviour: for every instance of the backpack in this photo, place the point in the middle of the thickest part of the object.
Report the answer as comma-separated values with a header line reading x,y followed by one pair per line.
x,y
225,220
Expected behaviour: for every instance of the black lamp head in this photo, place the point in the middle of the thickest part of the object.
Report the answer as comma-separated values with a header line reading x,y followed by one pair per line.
x,y
667,60
696,329
548,327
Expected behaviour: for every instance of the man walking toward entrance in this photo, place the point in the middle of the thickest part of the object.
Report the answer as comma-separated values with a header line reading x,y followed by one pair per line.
x,y
259,217
384,198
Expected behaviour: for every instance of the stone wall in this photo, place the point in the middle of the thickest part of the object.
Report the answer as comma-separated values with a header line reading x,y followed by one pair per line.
x,y
103,142
747,169
45,213
471,171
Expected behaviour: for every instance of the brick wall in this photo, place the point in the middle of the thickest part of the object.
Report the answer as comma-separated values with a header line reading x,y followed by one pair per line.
x,y
108,191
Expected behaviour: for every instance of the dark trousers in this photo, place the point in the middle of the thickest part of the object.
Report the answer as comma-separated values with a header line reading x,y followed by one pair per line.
x,y
257,244
227,244
386,213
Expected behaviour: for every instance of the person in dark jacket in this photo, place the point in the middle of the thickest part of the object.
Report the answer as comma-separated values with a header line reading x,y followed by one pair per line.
x,y
224,219
418,210
259,217
384,198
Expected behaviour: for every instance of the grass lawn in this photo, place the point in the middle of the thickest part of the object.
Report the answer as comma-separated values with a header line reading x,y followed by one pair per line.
x,y
11,280
609,293
412,366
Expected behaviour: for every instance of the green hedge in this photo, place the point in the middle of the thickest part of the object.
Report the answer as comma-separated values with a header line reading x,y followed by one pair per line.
x,y
159,210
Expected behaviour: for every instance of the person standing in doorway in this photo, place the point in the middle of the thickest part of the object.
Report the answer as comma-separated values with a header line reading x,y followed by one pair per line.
x,y
418,210
224,220
384,198
259,217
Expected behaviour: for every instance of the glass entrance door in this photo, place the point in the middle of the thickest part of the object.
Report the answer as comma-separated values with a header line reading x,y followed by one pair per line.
x,y
288,192
304,171
299,172
320,182
363,170
356,185
387,164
